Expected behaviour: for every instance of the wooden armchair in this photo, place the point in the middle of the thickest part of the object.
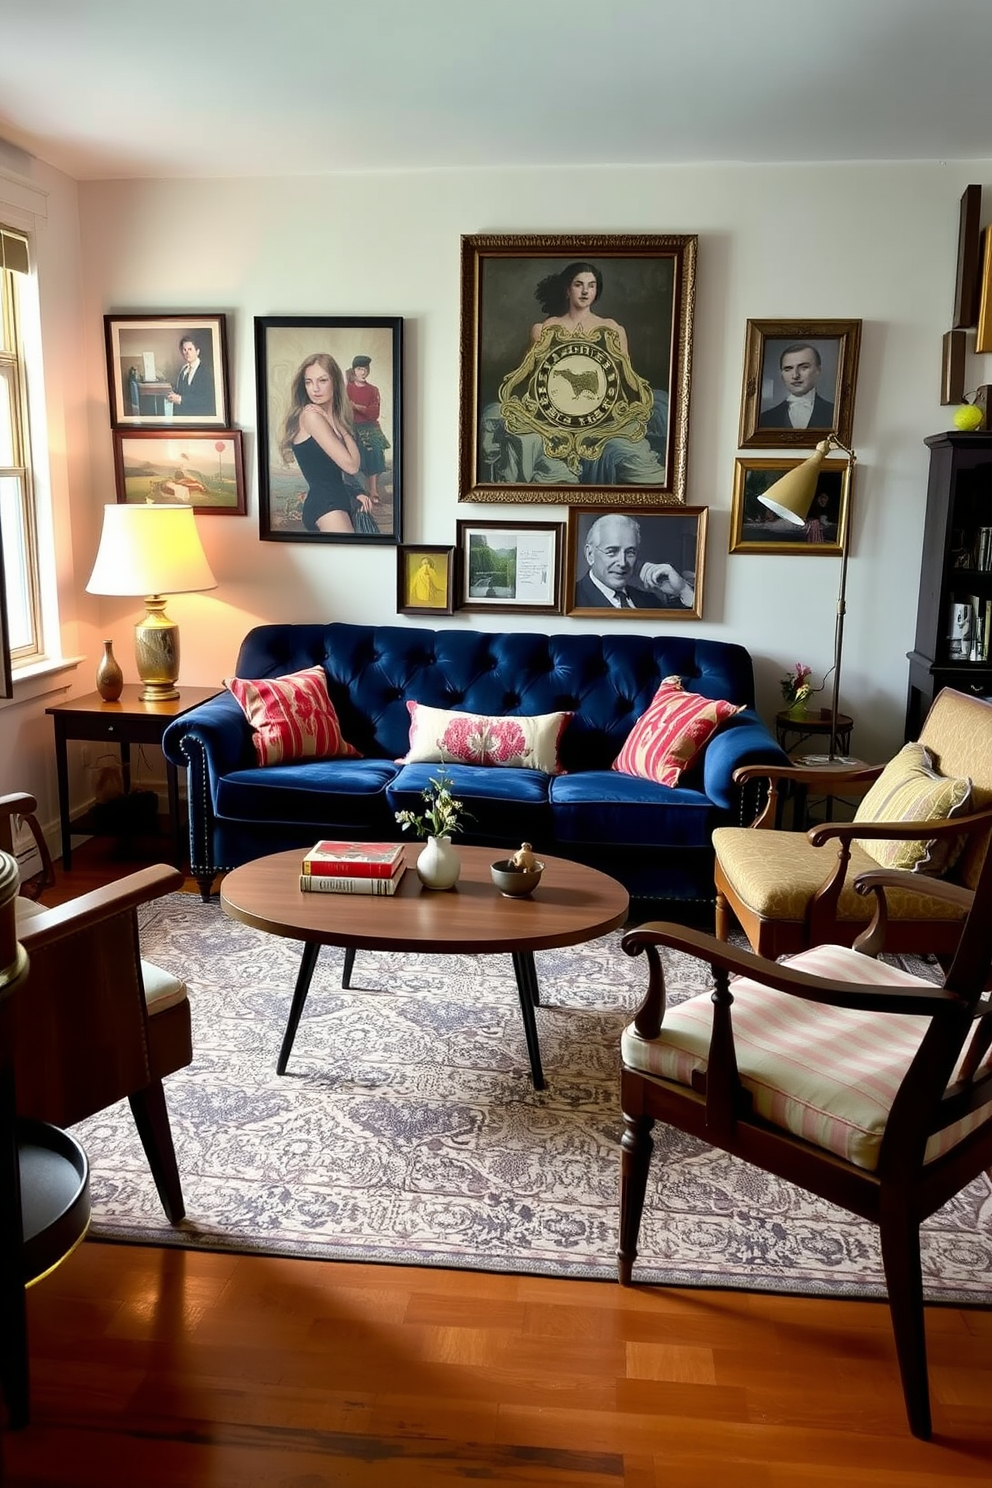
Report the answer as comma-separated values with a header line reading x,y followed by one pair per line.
x,y
790,890
840,1073
96,1022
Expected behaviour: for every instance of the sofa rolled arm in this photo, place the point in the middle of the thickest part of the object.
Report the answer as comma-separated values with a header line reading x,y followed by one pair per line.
x,y
745,741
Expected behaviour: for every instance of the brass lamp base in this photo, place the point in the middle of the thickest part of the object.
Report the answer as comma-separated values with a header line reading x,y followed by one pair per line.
x,y
156,649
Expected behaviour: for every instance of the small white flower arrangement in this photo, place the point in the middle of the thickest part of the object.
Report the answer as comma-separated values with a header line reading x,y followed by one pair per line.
x,y
442,815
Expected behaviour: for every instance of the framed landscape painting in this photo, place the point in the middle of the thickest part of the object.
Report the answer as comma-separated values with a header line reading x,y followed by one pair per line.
x,y
203,469
800,378
510,566
575,366
167,370
330,439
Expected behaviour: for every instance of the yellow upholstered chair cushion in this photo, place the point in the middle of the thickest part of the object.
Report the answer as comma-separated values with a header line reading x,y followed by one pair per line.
x,y
909,789
827,1075
776,874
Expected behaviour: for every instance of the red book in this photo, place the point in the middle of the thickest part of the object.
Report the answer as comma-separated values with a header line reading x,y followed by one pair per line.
x,y
353,859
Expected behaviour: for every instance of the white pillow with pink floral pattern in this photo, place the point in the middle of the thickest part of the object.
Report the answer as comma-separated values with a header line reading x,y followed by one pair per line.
x,y
437,735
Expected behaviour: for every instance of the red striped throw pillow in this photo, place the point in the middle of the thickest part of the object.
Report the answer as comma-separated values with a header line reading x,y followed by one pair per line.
x,y
293,717
671,733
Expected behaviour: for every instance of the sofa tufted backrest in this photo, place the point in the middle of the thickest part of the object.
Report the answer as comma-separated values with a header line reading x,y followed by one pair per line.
x,y
606,680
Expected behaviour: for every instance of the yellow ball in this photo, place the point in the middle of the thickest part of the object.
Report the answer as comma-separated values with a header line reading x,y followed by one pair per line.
x,y
967,417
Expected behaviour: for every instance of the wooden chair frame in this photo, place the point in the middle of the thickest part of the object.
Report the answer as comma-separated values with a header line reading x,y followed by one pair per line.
x,y
903,1190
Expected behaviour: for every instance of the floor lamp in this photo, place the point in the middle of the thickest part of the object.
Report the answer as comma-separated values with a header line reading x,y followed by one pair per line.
x,y
791,497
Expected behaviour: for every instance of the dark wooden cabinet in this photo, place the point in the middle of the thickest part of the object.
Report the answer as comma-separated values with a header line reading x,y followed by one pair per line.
x,y
953,645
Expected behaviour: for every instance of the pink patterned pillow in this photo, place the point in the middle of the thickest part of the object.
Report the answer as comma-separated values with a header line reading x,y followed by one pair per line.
x,y
293,717
671,733
474,739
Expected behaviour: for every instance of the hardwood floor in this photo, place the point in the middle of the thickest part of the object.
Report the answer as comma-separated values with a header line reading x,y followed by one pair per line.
x,y
178,1369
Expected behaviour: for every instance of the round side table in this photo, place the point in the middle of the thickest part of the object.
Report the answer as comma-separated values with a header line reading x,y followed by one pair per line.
x,y
792,732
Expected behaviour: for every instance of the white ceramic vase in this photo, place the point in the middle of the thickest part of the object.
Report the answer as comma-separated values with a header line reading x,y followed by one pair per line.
x,y
438,865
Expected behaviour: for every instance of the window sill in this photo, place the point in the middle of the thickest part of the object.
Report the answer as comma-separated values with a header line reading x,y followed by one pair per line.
x,y
40,678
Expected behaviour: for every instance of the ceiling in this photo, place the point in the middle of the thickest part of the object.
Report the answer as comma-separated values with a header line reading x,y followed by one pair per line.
x,y
171,88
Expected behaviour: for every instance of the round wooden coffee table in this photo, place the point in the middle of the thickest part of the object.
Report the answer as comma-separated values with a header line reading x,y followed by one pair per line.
x,y
571,904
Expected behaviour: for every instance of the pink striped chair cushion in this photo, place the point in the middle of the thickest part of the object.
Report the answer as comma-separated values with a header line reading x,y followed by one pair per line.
x,y
827,1075
671,733
293,717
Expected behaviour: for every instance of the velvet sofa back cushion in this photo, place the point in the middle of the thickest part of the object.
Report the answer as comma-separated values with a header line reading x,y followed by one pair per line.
x,y
607,681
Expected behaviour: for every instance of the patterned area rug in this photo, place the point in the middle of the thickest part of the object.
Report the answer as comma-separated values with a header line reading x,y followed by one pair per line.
x,y
407,1130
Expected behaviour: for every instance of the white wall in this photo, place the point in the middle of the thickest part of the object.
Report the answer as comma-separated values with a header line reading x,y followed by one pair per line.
x,y
875,242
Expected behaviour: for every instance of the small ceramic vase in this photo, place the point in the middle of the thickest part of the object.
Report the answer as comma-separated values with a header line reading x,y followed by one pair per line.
x,y
438,865
109,677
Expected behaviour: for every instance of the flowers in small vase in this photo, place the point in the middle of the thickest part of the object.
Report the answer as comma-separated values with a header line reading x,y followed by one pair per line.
x,y
442,815
796,686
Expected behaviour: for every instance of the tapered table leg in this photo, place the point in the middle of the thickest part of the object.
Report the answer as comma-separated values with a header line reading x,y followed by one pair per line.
x,y
527,990
307,963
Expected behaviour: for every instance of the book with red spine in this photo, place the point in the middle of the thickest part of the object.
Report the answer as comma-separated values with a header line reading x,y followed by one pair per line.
x,y
353,859
336,883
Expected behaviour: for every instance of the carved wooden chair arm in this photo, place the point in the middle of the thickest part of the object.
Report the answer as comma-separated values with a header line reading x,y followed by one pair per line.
x,y
19,803
100,904
722,957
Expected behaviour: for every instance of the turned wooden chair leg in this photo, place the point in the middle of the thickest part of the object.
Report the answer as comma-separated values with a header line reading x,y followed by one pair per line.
x,y
721,918
900,1237
636,1148
151,1117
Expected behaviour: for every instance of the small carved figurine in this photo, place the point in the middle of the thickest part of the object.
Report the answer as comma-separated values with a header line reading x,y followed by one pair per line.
x,y
524,859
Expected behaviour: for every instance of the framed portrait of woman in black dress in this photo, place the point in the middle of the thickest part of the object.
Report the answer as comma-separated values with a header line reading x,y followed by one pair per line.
x,y
329,428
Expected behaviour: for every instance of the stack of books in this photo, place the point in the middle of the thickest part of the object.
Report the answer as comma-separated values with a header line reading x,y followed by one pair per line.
x,y
353,868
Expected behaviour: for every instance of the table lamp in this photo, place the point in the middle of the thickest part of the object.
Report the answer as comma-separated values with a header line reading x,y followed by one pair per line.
x,y
791,497
152,550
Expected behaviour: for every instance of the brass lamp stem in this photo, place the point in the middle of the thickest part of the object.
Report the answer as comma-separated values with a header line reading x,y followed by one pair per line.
x,y
156,648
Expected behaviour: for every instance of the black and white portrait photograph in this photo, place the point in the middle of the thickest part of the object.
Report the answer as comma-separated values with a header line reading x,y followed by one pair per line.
x,y
630,562
799,381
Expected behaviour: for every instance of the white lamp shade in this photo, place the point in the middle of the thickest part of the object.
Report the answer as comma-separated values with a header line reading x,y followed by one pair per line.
x,y
149,549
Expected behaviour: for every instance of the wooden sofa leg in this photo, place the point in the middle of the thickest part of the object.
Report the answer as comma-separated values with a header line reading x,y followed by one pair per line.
x,y
151,1117
636,1148
205,884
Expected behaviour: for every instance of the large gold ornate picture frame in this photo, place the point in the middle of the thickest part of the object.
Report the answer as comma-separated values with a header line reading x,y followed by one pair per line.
x,y
815,359
575,366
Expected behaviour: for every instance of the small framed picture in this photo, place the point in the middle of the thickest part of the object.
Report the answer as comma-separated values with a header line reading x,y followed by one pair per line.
x,y
425,580
799,382
329,428
201,468
167,370
754,528
633,563
510,566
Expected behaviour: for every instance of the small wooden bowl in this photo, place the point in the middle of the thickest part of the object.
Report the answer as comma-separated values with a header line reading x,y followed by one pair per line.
x,y
515,882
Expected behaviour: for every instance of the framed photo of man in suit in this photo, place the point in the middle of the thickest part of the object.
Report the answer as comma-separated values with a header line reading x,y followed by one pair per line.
x,y
799,382
167,371
628,563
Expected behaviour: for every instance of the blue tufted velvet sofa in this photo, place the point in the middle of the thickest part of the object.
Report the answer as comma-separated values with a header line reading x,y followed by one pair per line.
x,y
654,839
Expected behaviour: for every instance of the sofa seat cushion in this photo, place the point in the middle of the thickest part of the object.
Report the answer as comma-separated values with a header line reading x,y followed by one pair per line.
x,y
340,790
840,1100
504,804
605,806
780,885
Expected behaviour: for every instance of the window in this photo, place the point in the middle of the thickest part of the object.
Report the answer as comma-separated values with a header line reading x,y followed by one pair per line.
x,y
20,612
